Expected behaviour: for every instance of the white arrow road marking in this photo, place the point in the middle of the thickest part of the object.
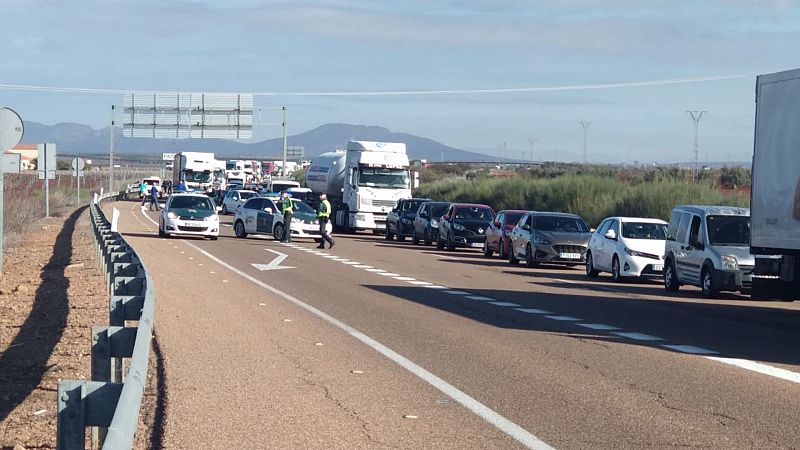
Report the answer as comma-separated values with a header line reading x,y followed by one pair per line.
x,y
275,264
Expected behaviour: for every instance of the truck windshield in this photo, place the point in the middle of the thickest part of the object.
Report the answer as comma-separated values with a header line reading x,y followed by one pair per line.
x,y
200,177
385,178
728,230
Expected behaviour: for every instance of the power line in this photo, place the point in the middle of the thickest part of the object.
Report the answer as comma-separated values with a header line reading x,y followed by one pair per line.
x,y
85,90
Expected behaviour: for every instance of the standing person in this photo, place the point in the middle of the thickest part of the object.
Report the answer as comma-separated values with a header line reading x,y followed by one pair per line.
x,y
287,208
143,191
324,215
168,187
154,197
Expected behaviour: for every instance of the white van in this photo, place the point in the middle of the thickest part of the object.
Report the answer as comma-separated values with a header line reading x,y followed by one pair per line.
x,y
150,181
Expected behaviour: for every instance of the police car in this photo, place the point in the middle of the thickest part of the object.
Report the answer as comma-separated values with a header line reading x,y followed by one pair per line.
x,y
261,215
189,214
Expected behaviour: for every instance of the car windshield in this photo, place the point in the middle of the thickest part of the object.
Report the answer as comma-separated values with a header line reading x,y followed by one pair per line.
x,y
412,206
386,178
513,217
302,207
560,223
192,202
474,213
438,210
152,182
728,230
644,230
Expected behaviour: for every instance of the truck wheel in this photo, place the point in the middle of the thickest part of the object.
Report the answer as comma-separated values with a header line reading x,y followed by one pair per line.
x,y
707,283
279,232
670,277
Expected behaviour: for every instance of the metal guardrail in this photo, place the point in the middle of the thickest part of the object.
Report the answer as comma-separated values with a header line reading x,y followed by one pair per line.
x,y
110,402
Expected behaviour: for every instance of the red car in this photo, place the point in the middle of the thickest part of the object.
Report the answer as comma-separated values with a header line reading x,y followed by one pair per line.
x,y
498,231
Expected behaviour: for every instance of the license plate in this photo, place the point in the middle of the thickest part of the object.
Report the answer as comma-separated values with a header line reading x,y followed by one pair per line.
x,y
476,244
570,255
193,224
658,267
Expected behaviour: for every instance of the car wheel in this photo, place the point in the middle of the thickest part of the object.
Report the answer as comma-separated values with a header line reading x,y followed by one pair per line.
x,y
451,246
414,239
428,241
439,243
707,280
487,252
616,275
591,272
214,238
224,209
279,232
529,256
512,258
238,229
501,249
670,277
161,230
400,238
389,236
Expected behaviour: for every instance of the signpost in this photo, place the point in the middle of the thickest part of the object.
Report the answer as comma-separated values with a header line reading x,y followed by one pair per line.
x,y
11,130
46,165
77,166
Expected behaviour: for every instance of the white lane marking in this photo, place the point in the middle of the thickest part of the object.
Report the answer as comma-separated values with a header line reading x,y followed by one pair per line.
x,y
690,349
337,258
332,257
455,292
351,263
589,286
436,286
405,278
776,372
446,257
503,424
564,318
637,336
375,270
533,311
389,274
363,266
598,326
504,304
480,297
418,283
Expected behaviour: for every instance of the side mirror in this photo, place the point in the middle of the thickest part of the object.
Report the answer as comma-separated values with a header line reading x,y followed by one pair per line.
x,y
416,179
611,234
445,217
218,208
525,227
269,210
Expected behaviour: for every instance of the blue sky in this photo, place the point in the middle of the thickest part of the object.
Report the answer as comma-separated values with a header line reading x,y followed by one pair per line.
x,y
286,48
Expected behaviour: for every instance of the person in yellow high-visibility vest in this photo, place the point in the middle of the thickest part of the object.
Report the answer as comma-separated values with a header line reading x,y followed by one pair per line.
x,y
324,215
287,208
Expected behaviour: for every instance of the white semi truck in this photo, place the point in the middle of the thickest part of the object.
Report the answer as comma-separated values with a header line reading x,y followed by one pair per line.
x,y
775,194
195,170
363,183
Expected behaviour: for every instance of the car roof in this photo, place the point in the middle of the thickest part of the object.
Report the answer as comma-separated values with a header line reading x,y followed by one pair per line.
x,y
189,194
438,203
471,205
246,190
706,210
553,213
518,211
637,219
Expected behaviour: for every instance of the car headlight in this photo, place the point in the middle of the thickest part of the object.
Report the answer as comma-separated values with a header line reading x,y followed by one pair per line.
x,y
294,220
172,215
434,223
634,252
459,227
729,262
540,241
405,221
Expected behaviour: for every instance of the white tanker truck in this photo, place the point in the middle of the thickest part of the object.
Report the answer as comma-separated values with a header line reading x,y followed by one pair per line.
x,y
362,183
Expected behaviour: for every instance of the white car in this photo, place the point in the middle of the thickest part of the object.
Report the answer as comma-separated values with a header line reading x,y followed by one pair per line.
x,y
627,247
261,215
189,214
235,198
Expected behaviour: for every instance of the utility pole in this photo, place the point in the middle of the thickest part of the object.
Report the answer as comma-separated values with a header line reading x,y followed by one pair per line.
x,y
696,116
585,124
283,168
532,141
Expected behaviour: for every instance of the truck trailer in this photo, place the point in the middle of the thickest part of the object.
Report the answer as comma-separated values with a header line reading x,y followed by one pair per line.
x,y
363,183
775,194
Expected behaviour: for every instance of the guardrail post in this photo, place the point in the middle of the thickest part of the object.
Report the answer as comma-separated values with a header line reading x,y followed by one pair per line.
x,y
70,420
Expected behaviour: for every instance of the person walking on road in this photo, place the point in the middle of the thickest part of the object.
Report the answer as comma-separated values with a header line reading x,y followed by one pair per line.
x,y
154,197
324,215
143,192
287,208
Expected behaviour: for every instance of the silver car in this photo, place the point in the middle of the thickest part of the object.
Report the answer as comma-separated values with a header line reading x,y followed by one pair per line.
x,y
549,237
709,247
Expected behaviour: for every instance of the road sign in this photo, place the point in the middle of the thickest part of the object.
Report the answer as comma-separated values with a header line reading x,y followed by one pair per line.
x,y
46,161
11,129
168,156
11,162
78,164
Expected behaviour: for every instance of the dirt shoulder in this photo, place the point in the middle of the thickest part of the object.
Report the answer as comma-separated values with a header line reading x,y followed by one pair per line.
x,y
52,292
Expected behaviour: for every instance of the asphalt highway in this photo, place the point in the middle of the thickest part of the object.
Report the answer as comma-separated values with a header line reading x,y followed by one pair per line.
x,y
378,344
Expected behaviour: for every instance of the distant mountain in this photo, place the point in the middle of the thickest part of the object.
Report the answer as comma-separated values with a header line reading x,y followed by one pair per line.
x,y
75,138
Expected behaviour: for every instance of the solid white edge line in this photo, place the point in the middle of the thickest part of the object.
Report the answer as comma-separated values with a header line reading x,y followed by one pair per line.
x,y
636,336
504,304
764,369
564,318
522,435
505,425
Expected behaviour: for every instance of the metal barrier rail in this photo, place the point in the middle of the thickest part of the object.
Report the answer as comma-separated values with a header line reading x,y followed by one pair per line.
x,y
110,402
